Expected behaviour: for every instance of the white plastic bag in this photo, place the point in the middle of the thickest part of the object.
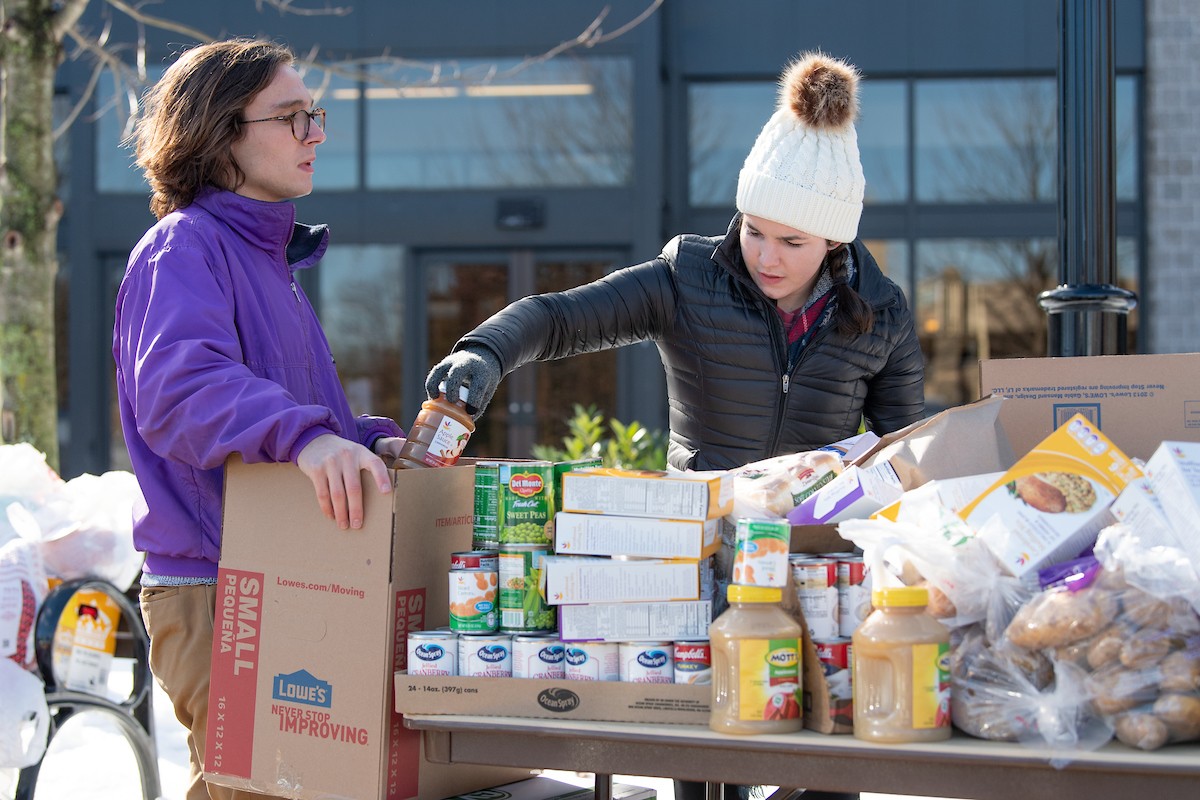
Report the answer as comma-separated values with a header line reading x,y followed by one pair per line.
x,y
25,478
87,529
24,717
22,590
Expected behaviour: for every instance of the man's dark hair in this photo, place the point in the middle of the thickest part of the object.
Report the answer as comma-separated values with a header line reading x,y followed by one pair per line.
x,y
193,117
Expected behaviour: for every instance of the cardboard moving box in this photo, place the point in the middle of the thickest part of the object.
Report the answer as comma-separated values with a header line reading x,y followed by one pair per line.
x,y
311,626
605,701
1138,401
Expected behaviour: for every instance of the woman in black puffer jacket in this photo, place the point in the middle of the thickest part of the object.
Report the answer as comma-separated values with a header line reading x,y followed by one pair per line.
x,y
779,337
738,391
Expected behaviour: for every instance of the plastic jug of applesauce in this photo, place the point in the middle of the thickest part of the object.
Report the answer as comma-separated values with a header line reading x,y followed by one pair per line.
x,y
755,664
439,434
901,670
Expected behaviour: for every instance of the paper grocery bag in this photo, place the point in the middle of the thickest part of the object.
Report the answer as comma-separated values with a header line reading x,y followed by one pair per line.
x,y
964,440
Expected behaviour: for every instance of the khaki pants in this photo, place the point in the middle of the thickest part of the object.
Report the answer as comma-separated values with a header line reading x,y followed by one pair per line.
x,y
179,620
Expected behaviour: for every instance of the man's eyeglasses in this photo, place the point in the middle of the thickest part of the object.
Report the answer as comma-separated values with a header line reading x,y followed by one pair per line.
x,y
305,127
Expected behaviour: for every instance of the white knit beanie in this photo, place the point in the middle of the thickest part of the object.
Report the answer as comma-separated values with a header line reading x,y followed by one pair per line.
x,y
804,170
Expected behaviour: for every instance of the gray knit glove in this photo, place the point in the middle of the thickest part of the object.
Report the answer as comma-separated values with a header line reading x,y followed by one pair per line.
x,y
475,367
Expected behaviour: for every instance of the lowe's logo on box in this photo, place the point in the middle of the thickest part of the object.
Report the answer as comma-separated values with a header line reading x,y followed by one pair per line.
x,y
302,687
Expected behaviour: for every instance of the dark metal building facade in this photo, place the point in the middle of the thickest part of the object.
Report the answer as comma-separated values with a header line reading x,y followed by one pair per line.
x,y
505,176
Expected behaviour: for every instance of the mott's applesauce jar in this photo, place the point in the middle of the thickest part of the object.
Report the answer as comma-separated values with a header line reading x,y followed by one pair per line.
x,y
439,434
901,672
756,664
522,608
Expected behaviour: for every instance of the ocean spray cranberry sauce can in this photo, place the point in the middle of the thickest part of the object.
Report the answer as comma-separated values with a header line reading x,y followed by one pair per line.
x,y
538,655
485,655
646,662
432,653
592,661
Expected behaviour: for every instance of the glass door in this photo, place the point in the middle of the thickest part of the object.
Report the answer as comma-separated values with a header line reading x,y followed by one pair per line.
x,y
532,405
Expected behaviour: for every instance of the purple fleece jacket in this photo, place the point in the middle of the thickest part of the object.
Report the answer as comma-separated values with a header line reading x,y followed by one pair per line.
x,y
219,351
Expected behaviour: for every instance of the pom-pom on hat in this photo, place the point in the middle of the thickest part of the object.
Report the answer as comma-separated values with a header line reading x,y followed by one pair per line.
x,y
804,170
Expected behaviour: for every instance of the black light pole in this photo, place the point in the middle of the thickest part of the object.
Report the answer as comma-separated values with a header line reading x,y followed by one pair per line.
x,y
1087,311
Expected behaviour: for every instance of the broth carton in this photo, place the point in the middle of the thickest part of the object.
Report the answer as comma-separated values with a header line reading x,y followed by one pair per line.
x,y
1051,504
1174,476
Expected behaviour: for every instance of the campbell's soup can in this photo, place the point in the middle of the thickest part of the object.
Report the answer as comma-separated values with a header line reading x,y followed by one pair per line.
x,y
646,662
693,662
474,559
538,655
473,600
592,661
836,657
432,653
834,654
817,594
854,593
485,655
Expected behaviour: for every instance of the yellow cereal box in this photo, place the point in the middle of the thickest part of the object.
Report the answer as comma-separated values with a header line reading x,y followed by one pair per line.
x,y
1050,506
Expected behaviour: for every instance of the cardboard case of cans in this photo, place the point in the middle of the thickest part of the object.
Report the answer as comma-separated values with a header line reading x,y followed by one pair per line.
x,y
501,623
574,580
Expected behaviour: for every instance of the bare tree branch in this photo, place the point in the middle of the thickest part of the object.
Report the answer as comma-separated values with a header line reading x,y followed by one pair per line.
x,y
137,15
66,16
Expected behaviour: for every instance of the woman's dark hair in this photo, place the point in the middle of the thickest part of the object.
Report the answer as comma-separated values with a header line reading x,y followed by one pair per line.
x,y
192,117
852,316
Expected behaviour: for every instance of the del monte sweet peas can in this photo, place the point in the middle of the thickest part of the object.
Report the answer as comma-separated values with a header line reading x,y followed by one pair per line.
x,y
525,511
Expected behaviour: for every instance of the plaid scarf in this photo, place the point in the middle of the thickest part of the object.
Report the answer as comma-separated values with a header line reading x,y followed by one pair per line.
x,y
802,323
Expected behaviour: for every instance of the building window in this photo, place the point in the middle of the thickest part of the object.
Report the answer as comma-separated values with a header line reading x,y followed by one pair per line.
x,y
978,299
116,170
337,158
337,165
724,119
996,140
985,141
360,290
490,123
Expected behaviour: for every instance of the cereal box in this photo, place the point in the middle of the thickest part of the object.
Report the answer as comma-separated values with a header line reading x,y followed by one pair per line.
x,y
1052,503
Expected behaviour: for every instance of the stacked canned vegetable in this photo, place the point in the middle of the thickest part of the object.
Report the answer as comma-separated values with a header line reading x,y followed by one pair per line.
x,y
500,624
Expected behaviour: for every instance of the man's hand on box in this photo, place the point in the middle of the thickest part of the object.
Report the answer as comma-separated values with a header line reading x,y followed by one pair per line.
x,y
388,447
335,465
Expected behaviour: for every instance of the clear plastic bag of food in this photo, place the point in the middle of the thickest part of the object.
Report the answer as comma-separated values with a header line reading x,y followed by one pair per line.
x,y
1003,692
773,487
1138,652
